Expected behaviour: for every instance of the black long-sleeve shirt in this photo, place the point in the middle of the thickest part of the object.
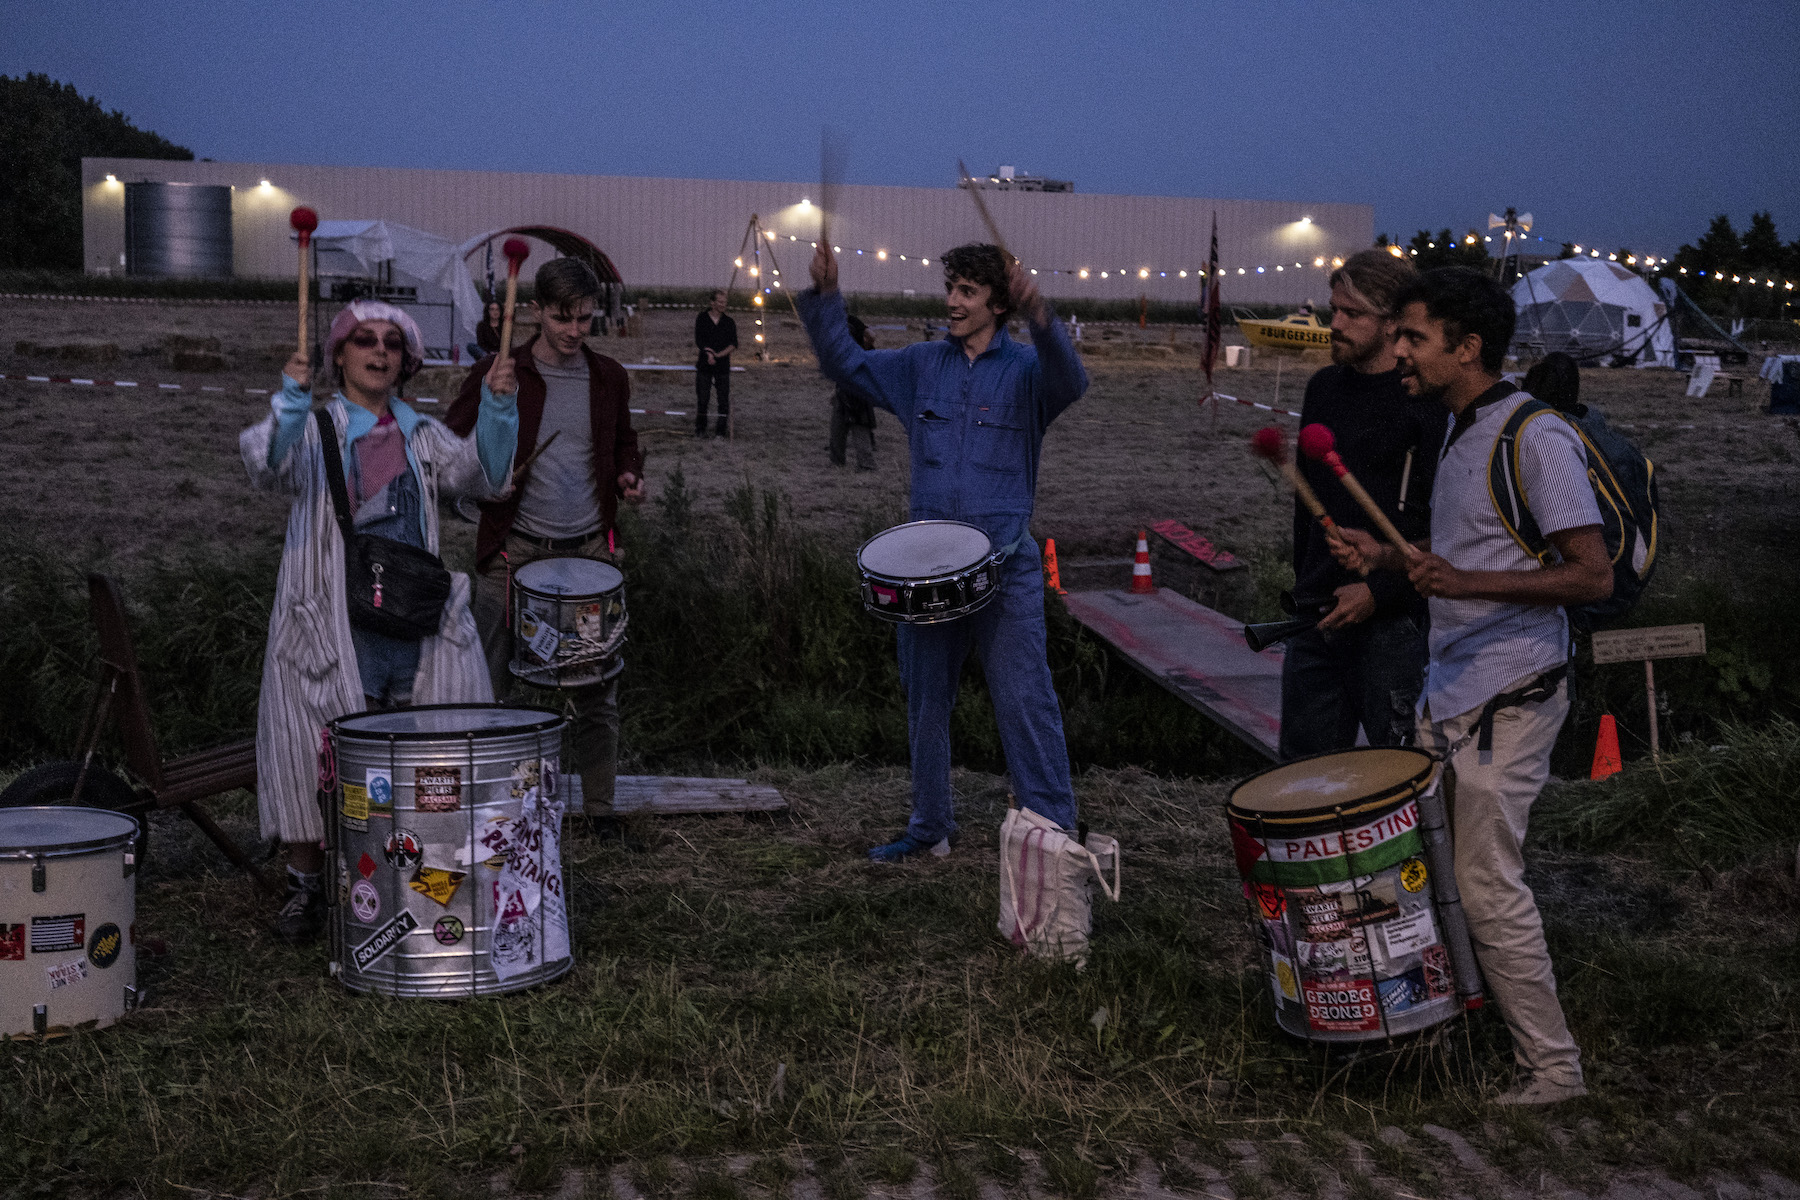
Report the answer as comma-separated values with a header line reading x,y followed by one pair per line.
x,y
709,335
1376,424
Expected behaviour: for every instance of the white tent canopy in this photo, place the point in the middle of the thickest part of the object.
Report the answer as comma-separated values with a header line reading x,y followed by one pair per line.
x,y
1595,311
416,270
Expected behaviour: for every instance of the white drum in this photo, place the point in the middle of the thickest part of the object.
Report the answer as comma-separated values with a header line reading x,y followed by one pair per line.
x,y
568,622
924,572
68,903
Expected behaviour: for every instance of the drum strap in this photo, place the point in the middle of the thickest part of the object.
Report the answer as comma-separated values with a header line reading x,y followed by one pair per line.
x,y
1006,552
1541,688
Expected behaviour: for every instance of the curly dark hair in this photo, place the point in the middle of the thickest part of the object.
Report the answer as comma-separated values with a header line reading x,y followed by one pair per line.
x,y
978,262
1468,302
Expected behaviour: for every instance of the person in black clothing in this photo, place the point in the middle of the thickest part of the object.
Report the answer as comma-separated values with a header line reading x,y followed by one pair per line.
x,y
1365,663
716,336
852,417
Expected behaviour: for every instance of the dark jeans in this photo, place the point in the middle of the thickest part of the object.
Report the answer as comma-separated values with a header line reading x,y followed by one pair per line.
x,y
720,379
1368,675
853,424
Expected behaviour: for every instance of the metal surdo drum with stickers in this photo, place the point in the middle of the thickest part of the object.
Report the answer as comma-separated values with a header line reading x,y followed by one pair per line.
x,y
68,903
1333,858
923,572
447,851
568,622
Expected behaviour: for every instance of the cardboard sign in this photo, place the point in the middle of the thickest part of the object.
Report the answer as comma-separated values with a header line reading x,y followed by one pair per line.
x,y
1661,641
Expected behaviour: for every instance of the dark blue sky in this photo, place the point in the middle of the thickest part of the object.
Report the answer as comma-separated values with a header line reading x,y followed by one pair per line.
x,y
1615,124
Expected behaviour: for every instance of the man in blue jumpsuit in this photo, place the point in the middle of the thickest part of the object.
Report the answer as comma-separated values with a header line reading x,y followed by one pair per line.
x,y
975,408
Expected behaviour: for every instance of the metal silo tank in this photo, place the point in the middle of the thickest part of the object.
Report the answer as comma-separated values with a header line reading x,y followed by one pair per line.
x,y
179,229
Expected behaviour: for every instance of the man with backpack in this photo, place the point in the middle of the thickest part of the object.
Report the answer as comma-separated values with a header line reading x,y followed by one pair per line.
x,y
1496,689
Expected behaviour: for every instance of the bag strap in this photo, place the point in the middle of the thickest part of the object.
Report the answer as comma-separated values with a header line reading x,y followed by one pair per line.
x,y
1506,487
334,473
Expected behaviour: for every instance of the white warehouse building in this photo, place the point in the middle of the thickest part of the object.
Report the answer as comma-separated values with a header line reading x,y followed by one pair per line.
x,y
687,232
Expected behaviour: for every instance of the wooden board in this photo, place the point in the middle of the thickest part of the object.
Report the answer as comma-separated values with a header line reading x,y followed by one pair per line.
x,y
1202,549
1659,641
666,795
1197,653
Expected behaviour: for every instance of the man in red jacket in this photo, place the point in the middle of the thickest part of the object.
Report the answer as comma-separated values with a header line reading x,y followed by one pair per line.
x,y
564,504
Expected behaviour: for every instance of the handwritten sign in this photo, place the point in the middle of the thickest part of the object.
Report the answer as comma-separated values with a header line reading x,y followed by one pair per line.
x,y
1661,641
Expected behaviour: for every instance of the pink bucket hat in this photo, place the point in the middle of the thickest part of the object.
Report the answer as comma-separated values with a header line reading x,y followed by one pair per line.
x,y
358,311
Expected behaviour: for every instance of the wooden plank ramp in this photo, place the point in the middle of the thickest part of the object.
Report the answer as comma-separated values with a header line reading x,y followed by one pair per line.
x,y
1196,652
673,795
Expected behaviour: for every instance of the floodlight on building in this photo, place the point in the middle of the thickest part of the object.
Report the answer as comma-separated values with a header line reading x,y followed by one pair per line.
x,y
265,185
805,203
1306,220
112,179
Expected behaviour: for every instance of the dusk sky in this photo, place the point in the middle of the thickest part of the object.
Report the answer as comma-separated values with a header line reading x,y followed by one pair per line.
x,y
1615,124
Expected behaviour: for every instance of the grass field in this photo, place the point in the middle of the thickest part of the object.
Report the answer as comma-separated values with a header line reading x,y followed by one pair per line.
x,y
911,1046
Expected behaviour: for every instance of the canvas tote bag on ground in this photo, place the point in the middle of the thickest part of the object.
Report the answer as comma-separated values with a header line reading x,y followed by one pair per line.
x,y
1046,885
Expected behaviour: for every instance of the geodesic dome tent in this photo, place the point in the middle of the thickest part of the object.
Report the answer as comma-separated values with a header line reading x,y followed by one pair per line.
x,y
1597,312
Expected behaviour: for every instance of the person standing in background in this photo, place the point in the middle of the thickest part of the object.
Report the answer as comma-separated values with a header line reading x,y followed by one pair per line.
x,y
852,417
715,335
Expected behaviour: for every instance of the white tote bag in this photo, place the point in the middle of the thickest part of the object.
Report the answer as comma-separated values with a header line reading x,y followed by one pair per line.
x,y
1046,885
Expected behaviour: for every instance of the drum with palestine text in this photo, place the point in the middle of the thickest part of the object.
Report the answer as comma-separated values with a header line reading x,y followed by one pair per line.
x,y
68,907
447,850
1334,866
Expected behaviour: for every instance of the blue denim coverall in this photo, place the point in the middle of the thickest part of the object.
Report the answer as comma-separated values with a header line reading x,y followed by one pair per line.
x,y
975,430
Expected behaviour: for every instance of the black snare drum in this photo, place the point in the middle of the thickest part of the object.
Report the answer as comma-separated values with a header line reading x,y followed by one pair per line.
x,y
924,572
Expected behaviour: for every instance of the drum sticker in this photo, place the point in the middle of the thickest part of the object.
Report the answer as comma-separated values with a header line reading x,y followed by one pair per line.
x,y
1347,1007
437,884
1336,961
1409,934
52,934
103,948
1435,962
531,922
402,849
448,931
589,623
1276,937
12,943
541,637
365,901
385,939
1286,984
1403,991
356,805
1271,901
981,584
380,785
365,866
884,595
1413,874
67,973
437,789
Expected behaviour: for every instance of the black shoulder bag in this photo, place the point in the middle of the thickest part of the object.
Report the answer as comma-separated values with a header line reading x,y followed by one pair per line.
x,y
392,588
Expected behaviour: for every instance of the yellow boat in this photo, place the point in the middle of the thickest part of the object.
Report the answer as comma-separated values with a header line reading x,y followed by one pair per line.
x,y
1296,331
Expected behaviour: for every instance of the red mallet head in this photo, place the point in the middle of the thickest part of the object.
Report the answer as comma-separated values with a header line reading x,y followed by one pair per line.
x,y
1269,443
304,220
517,250
1316,442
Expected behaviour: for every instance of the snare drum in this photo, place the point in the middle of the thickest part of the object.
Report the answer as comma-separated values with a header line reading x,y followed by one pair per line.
x,y
1334,863
924,572
568,622
68,903
447,851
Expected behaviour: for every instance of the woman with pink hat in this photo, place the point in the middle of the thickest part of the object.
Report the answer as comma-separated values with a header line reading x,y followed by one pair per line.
x,y
320,663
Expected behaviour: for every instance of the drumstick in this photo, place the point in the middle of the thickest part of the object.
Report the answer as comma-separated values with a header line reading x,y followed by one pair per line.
x,y
533,456
1271,444
1318,444
517,250
982,208
304,220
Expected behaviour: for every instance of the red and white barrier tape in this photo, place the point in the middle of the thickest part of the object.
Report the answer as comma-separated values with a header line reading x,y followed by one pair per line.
x,y
1286,412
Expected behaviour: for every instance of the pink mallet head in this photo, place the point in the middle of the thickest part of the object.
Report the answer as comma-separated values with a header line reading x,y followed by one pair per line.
x,y
517,250
304,220
1316,442
1269,443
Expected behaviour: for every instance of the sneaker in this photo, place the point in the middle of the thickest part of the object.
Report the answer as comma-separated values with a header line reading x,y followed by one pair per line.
x,y
1537,1090
302,918
906,847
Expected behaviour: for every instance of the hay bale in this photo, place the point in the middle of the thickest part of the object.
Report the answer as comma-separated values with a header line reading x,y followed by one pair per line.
x,y
87,352
196,360
174,343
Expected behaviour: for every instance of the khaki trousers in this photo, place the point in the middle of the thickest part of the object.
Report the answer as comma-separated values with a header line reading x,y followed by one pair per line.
x,y
1489,797
593,734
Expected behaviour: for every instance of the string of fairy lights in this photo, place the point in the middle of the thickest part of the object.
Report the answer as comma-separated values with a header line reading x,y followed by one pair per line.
x,y
1649,263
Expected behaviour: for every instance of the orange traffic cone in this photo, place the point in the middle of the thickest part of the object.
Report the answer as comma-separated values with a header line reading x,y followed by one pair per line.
x,y
1606,749
1140,570
1052,575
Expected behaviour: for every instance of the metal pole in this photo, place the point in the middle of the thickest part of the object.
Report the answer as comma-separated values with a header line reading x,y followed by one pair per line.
x,y
1650,694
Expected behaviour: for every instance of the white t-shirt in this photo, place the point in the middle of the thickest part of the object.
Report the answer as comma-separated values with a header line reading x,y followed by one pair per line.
x,y
1480,648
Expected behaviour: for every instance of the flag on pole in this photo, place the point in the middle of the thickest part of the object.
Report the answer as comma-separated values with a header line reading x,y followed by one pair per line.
x,y
1209,315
